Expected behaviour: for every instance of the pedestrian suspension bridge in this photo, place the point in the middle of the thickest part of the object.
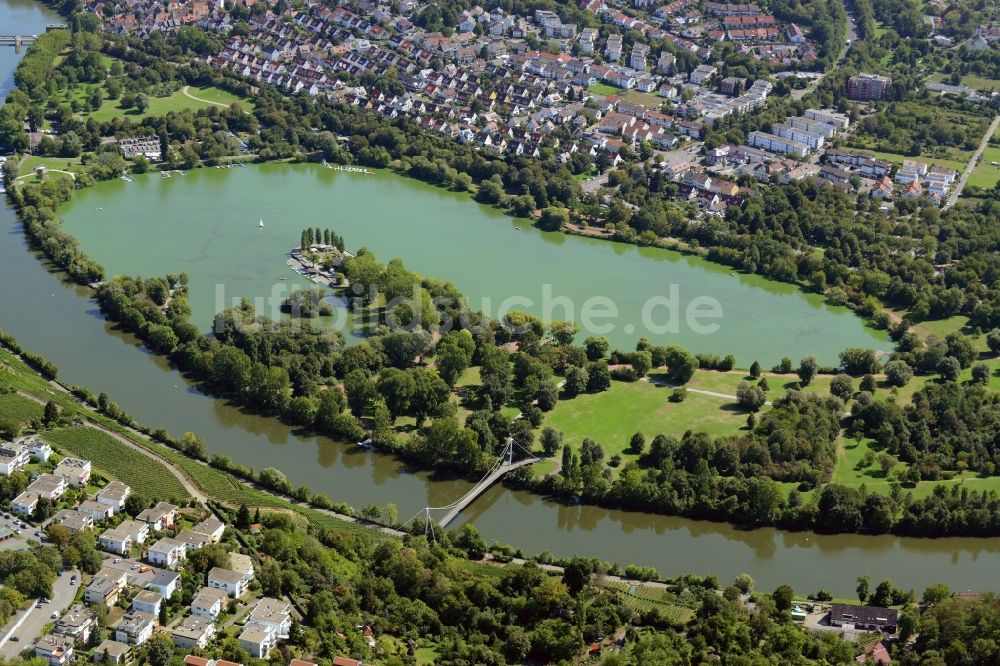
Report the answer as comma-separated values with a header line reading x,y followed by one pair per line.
x,y
504,464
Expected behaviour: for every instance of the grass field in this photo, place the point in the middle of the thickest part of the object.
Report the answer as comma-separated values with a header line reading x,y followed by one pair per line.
x,y
147,477
604,89
19,408
726,382
28,165
956,159
611,417
986,174
207,97
970,81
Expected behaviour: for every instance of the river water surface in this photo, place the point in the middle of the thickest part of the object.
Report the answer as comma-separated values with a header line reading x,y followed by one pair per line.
x,y
63,323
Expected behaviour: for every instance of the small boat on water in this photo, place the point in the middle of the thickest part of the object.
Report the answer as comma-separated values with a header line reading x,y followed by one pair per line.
x,y
262,224
366,444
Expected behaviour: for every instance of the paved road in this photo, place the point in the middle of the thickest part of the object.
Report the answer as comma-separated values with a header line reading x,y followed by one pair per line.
x,y
852,36
31,628
973,161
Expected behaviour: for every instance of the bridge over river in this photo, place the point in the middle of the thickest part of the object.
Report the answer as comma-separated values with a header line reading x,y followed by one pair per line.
x,y
504,464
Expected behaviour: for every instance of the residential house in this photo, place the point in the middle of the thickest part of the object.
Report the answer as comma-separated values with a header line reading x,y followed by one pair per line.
x,y
211,526
166,553
209,602
777,144
105,587
139,531
148,601
13,456
78,623
193,632
243,564
231,582
882,188
273,614
135,628
24,504
73,520
702,74
113,652
49,486
193,540
867,87
165,582
160,516
97,510
872,618
637,58
666,63
56,649
76,471
838,120
114,495
258,640
115,541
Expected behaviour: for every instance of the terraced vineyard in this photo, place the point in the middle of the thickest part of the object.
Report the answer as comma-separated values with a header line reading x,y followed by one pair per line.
x,y
644,598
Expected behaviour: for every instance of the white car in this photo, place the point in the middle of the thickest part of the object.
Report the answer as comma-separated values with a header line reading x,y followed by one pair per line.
x,y
55,615
117,560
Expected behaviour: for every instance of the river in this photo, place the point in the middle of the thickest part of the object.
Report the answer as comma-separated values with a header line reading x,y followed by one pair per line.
x,y
63,323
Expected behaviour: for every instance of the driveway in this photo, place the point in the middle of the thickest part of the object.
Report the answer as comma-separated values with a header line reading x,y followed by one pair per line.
x,y
30,627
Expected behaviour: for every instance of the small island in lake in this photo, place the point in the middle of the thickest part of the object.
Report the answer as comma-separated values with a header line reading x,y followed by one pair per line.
x,y
318,256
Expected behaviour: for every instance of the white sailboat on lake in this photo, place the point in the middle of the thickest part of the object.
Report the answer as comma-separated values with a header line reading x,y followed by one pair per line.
x,y
261,224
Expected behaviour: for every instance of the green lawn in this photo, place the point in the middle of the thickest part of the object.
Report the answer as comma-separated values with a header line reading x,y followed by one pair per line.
x,y
604,89
147,477
611,417
726,382
19,408
176,101
970,81
29,164
987,172
956,160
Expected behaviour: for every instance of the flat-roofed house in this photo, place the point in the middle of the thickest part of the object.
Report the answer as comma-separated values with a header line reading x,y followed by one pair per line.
x,y
193,632
160,516
13,456
113,651
96,510
139,531
166,553
76,623
114,495
231,582
211,526
76,471
148,601
273,614
242,564
193,540
115,541
56,649
258,640
73,520
165,582
135,628
25,503
209,602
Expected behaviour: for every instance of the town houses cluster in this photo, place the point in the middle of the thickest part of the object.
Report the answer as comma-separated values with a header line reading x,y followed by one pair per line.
x,y
531,90
140,570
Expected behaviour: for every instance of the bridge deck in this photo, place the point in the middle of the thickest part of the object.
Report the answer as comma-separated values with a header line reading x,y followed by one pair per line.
x,y
480,488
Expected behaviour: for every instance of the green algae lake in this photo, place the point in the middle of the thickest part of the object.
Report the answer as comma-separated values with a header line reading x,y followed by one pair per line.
x,y
205,223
